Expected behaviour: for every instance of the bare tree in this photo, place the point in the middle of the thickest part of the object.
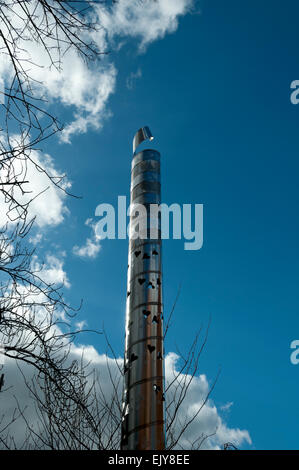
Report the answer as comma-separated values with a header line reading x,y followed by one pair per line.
x,y
34,326
55,27
86,416
31,308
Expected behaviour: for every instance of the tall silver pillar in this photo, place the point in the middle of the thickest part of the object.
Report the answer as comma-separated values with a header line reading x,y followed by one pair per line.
x,y
143,397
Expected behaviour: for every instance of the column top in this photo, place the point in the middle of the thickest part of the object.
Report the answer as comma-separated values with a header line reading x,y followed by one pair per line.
x,y
141,135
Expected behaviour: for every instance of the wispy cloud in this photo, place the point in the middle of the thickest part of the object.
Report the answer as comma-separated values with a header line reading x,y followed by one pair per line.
x,y
36,239
227,406
131,79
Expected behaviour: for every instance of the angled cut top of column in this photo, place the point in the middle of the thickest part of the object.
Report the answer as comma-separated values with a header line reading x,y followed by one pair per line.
x,y
141,135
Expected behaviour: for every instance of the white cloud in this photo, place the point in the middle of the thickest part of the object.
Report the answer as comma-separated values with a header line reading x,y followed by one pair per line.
x,y
95,88
92,245
81,324
47,201
70,81
89,250
208,422
147,20
51,271
86,89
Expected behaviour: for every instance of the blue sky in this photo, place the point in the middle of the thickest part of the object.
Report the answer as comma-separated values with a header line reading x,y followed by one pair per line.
x,y
216,94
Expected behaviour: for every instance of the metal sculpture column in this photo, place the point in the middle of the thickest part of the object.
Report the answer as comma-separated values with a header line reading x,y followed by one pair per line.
x,y
143,398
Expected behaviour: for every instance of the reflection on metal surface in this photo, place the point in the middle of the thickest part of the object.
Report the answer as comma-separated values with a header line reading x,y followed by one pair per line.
x,y
143,398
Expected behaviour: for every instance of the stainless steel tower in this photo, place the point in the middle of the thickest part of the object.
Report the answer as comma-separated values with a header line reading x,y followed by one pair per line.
x,y
143,398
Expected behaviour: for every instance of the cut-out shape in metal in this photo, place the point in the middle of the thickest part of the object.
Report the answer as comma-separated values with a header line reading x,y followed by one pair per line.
x,y
133,357
151,348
